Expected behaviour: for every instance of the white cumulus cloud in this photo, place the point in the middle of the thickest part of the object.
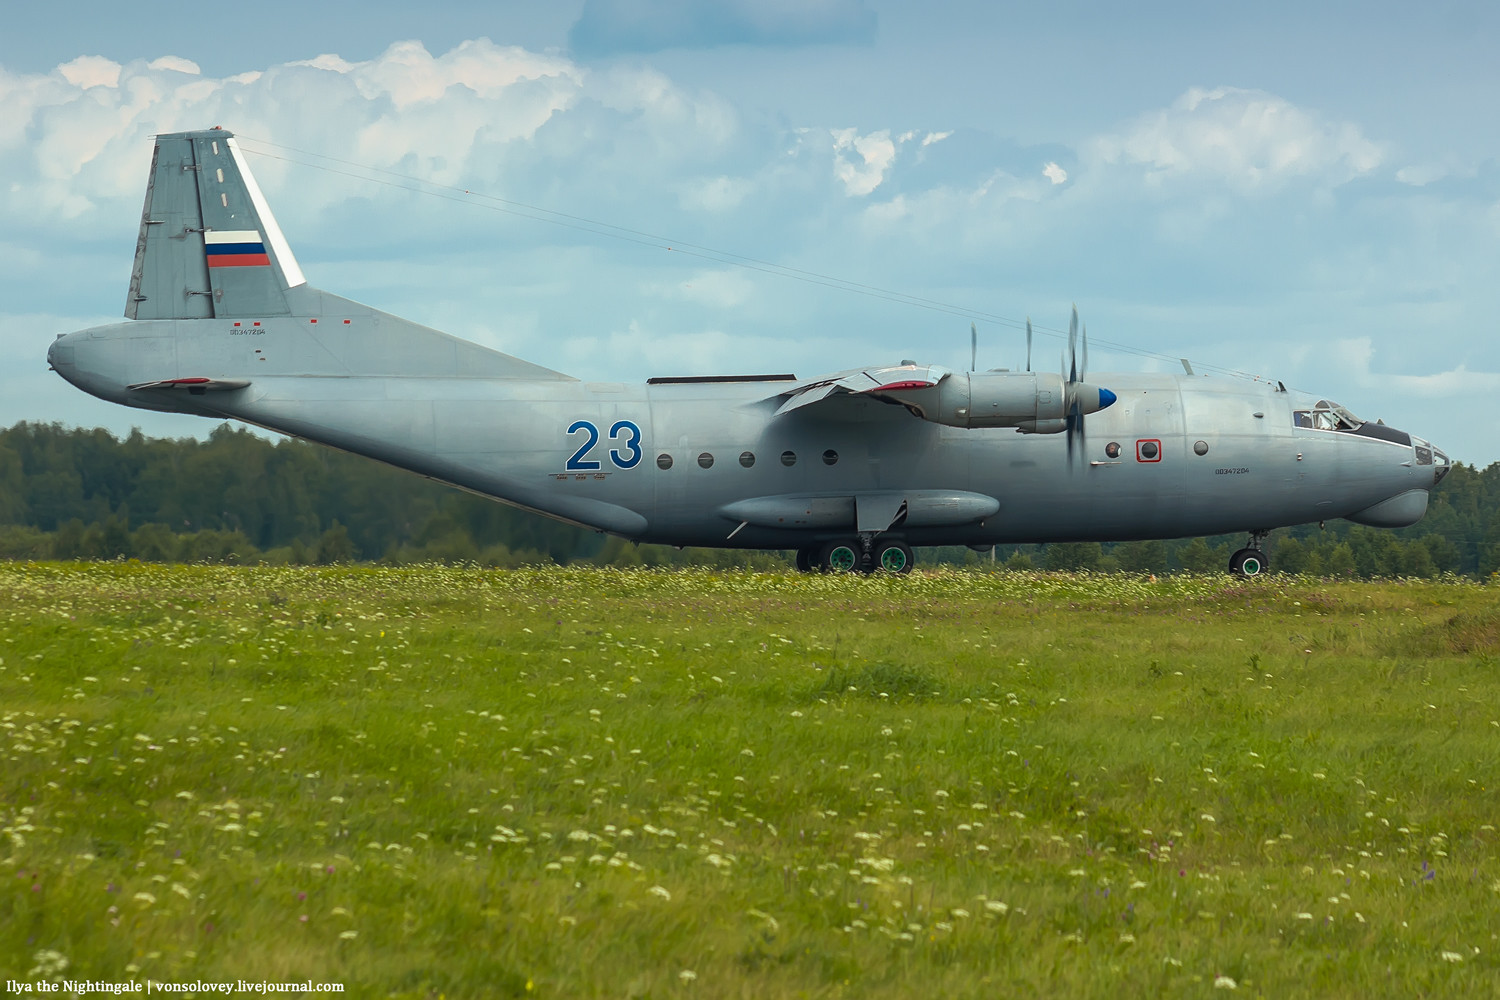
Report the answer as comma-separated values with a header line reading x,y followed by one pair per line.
x,y
860,161
78,137
90,71
176,64
1247,139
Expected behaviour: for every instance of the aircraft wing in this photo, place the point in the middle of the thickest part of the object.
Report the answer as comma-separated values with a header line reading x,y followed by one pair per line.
x,y
878,381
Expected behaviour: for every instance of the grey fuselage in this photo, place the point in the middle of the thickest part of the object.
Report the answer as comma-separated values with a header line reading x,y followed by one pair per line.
x,y
1228,457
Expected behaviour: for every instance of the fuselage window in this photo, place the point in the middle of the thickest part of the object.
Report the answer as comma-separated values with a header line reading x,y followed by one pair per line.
x,y
706,460
747,458
789,458
830,457
663,461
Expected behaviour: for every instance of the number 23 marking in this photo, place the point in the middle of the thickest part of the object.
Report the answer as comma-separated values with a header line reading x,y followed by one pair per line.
x,y
625,430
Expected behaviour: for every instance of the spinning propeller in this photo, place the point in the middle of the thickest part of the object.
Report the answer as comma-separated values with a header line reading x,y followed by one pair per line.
x,y
1078,391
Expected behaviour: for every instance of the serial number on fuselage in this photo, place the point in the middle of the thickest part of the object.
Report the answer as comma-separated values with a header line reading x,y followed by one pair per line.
x,y
1230,472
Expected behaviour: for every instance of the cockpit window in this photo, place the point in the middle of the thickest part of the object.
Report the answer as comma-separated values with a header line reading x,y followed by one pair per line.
x,y
1326,416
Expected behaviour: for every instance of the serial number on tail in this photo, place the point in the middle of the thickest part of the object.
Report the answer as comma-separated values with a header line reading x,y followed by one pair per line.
x,y
1230,472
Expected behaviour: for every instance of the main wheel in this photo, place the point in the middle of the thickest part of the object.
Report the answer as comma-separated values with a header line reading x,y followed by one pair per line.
x,y
894,557
839,557
806,560
1248,562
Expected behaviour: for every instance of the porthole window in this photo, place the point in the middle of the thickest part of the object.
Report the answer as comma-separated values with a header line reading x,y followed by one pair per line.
x,y
663,461
1200,447
706,460
747,458
830,457
1112,449
789,458
1148,451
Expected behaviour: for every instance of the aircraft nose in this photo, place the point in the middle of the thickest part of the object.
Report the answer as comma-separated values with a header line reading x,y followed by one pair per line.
x,y
60,354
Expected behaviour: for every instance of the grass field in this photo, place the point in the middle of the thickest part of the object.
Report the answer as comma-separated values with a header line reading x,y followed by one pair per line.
x,y
578,782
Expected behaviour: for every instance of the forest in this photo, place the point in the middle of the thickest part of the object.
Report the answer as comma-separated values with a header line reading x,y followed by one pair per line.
x,y
236,497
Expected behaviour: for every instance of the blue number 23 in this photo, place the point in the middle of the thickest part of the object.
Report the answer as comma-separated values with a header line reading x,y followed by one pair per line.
x,y
623,432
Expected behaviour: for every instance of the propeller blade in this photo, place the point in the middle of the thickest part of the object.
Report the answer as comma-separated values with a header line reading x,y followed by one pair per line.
x,y
1028,343
1073,347
1073,426
973,347
1080,430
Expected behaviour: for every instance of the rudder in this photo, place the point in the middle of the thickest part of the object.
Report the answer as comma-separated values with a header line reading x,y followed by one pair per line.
x,y
208,246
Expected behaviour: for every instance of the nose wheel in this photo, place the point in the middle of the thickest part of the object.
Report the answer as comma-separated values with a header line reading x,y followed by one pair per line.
x,y
1251,560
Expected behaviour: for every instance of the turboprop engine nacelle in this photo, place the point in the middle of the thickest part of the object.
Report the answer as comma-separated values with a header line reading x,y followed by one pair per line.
x,y
1031,402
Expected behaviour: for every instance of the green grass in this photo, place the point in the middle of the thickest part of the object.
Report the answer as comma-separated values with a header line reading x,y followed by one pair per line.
x,y
578,782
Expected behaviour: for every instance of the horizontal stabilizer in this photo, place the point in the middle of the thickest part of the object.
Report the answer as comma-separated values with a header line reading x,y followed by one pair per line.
x,y
194,384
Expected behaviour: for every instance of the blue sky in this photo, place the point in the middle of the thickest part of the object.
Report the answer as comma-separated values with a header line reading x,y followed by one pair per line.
x,y
1304,192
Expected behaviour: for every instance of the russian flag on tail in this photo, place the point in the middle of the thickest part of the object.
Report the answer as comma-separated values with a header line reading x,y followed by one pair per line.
x,y
235,248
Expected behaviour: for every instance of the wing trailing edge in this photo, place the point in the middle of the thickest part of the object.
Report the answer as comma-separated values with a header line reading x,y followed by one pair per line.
x,y
881,383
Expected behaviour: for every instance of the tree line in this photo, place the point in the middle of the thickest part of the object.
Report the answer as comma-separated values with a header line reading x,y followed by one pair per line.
x,y
70,493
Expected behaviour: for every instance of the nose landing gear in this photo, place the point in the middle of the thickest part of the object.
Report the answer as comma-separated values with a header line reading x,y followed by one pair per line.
x,y
1251,560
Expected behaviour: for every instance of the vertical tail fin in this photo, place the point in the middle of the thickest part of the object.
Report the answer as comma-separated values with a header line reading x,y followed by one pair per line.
x,y
209,246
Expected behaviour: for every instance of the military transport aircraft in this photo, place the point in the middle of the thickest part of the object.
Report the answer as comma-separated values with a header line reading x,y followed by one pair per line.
x,y
850,469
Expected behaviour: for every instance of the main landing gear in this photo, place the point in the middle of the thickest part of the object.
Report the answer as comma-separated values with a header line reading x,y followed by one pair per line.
x,y
865,554
1251,560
